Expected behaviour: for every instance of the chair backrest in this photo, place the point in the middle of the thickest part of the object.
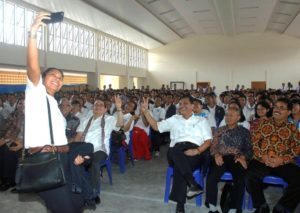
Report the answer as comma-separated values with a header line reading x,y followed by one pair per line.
x,y
270,179
298,160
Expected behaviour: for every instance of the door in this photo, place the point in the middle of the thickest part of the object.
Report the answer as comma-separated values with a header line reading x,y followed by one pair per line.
x,y
203,84
258,85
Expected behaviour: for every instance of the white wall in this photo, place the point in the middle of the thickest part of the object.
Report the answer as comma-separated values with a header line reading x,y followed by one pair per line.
x,y
227,61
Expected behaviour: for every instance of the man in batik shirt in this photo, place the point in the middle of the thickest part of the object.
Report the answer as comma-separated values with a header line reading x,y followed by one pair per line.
x,y
275,145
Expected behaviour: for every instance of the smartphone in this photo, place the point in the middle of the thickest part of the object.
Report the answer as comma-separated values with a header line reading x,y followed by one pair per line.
x,y
54,18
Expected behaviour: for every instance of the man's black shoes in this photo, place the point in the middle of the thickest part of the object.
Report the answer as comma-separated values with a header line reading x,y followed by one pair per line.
x,y
97,200
193,191
263,209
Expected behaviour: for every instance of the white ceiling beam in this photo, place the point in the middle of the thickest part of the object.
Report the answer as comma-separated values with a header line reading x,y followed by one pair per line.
x,y
90,3
224,11
158,18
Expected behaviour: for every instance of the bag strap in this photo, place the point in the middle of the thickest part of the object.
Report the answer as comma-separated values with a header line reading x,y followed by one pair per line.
x,y
50,121
103,133
86,129
50,127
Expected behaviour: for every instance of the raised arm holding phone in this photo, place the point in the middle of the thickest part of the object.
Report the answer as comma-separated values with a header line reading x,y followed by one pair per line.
x,y
40,89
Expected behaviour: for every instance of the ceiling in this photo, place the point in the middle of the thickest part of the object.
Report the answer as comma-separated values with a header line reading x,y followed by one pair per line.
x,y
153,23
166,21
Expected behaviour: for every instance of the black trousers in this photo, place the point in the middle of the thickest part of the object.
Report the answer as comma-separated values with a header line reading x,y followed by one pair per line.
x,y
8,163
94,170
61,199
156,139
289,172
183,167
238,175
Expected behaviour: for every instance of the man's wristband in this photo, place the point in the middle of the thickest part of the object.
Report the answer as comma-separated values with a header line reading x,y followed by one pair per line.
x,y
32,35
119,110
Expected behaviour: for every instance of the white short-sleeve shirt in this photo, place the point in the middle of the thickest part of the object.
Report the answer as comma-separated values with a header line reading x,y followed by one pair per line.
x,y
37,131
158,113
195,129
94,133
126,118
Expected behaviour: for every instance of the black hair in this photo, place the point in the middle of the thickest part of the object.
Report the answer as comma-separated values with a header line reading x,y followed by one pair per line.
x,y
75,102
295,101
135,104
235,101
197,100
265,105
101,99
49,70
286,101
190,98
211,94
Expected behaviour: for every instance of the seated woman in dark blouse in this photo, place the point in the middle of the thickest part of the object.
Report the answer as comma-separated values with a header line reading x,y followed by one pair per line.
x,y
231,149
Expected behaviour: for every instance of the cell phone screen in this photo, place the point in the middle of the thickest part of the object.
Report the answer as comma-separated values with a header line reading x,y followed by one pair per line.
x,y
54,18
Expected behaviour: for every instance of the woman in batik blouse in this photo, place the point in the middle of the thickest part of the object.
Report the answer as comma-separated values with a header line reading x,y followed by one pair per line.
x,y
231,150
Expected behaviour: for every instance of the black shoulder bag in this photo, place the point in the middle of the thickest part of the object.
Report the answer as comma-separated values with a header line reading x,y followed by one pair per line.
x,y
118,139
40,171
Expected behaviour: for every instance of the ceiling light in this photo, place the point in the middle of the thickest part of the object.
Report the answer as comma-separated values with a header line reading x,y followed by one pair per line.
x,y
167,11
207,20
250,7
152,1
277,22
247,25
175,20
201,11
250,17
283,14
290,2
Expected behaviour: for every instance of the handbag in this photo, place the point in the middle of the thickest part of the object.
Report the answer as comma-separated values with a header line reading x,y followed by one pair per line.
x,y
40,171
118,138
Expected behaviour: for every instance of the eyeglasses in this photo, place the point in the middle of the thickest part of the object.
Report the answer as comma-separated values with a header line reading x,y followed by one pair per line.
x,y
281,108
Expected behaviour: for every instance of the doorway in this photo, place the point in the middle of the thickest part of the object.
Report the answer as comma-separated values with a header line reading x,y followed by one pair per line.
x,y
258,85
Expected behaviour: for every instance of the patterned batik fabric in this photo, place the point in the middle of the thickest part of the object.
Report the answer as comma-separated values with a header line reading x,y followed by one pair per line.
x,y
276,140
234,141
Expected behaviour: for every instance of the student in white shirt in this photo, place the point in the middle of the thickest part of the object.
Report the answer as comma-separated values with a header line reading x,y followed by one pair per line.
x,y
41,87
190,137
97,130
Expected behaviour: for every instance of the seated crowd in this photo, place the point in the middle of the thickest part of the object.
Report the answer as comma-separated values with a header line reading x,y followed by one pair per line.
x,y
249,133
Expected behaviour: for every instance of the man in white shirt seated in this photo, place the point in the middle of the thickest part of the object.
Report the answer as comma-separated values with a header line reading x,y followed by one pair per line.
x,y
190,137
97,130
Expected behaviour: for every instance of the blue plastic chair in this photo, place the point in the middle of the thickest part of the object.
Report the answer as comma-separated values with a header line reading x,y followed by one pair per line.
x,y
122,155
273,180
227,176
298,161
169,175
107,164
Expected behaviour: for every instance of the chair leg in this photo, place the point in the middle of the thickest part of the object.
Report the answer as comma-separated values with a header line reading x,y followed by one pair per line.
x,y
169,176
199,180
250,205
122,160
109,172
130,150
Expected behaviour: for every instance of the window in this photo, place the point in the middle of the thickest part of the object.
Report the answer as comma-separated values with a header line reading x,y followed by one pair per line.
x,y
15,21
67,38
